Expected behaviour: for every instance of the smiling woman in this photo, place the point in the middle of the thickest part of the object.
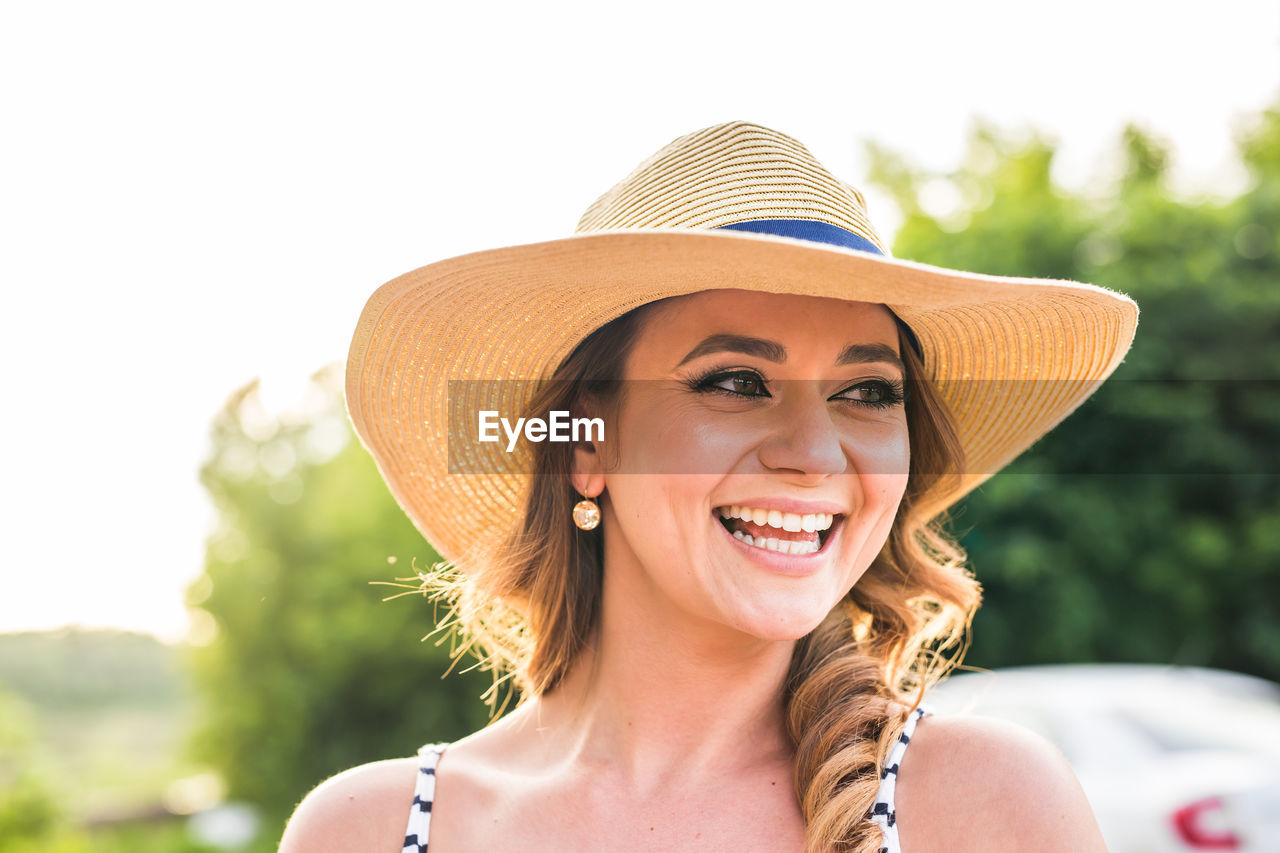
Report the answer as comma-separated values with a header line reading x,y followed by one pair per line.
x,y
735,657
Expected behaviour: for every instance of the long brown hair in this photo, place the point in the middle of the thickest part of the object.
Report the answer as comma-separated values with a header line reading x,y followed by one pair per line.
x,y
531,609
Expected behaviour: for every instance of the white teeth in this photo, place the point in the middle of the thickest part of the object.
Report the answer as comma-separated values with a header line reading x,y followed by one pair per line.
x,y
782,546
779,520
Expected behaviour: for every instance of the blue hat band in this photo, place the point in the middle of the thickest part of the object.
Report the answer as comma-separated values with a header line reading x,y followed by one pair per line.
x,y
807,229
821,232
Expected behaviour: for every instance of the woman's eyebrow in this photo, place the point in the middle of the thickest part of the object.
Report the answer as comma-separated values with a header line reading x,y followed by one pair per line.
x,y
858,353
768,350
777,353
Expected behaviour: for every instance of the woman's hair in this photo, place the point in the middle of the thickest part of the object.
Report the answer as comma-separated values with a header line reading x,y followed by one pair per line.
x,y
533,608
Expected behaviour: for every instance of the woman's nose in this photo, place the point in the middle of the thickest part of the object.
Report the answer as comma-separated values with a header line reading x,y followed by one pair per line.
x,y
804,439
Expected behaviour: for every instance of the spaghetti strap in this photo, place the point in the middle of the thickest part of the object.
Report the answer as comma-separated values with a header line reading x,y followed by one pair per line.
x,y
883,812
424,791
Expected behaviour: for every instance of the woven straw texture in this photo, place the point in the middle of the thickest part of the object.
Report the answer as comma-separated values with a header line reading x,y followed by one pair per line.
x,y
1011,356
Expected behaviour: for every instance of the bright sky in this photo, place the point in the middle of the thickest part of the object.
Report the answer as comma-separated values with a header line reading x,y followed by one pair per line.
x,y
192,195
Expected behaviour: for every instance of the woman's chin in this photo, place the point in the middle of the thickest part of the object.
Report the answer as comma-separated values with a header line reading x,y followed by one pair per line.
x,y
781,624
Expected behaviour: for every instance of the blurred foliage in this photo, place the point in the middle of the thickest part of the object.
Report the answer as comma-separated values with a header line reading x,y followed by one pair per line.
x,y
77,669
29,807
305,671
99,712
1145,528
166,836
160,836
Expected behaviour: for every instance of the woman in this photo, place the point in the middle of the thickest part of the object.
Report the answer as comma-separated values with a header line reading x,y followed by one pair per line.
x,y
723,608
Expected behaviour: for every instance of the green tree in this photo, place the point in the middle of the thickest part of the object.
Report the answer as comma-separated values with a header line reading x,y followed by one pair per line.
x,y
308,671
1144,528
29,808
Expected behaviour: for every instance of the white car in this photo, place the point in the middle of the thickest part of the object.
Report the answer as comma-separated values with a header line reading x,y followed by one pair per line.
x,y
1172,759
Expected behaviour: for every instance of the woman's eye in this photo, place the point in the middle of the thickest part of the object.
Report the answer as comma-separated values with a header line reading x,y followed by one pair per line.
x,y
877,393
742,383
874,393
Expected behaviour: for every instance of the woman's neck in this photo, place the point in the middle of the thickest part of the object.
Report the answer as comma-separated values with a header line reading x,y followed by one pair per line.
x,y
660,694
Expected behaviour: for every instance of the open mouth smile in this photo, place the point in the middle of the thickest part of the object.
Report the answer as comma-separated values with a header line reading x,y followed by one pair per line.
x,y
774,530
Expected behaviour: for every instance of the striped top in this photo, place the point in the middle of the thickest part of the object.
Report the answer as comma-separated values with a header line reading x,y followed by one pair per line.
x,y
883,813
415,837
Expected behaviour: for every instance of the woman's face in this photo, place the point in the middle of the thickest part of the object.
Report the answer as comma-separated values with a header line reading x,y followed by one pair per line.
x,y
758,459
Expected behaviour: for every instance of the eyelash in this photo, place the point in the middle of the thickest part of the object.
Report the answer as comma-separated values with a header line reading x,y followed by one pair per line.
x,y
708,383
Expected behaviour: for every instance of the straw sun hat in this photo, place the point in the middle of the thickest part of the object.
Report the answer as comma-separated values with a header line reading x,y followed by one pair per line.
x,y
731,206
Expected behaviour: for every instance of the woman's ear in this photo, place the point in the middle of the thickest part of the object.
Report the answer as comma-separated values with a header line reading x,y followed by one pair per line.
x,y
588,461
588,470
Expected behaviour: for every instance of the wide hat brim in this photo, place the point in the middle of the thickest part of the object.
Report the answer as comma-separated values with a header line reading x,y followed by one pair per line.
x,y
1011,356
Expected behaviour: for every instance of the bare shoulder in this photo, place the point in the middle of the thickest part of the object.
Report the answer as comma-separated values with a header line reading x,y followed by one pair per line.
x,y
972,783
365,808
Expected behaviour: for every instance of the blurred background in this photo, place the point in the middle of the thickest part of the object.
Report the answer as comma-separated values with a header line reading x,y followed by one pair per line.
x,y
198,199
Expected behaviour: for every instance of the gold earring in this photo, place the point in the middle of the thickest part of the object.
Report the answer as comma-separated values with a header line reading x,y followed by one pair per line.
x,y
586,514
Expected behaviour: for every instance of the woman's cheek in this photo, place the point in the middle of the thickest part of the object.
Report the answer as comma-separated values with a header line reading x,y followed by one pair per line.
x,y
883,467
881,450
686,440
886,489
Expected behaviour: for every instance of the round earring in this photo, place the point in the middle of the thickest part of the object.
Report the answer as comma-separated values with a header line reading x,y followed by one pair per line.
x,y
586,514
